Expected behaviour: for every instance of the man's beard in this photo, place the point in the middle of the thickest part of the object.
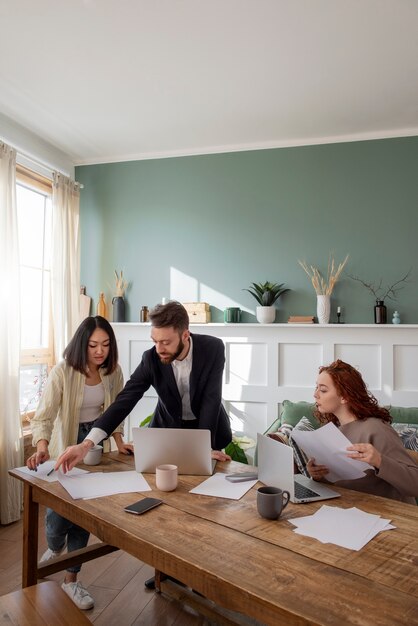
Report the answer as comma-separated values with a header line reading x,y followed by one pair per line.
x,y
169,359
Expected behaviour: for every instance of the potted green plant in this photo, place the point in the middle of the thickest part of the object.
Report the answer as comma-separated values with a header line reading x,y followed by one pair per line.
x,y
266,295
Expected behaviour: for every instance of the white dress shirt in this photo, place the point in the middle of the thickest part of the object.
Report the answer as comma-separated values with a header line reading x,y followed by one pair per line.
x,y
181,370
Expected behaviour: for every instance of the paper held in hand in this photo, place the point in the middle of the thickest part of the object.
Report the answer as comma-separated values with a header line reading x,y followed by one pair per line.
x,y
328,446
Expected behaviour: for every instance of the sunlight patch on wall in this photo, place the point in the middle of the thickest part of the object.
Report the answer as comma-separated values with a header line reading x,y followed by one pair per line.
x,y
186,288
246,364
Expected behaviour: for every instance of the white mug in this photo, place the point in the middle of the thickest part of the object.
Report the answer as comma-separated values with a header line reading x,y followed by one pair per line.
x,y
166,477
93,456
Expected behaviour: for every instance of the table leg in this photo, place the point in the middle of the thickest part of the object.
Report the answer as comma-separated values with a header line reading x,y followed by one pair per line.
x,y
30,538
158,577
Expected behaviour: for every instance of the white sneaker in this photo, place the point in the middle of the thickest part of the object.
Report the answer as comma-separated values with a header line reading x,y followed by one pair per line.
x,y
78,595
52,554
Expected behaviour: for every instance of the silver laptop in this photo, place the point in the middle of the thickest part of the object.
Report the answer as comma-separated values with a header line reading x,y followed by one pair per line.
x,y
276,469
189,449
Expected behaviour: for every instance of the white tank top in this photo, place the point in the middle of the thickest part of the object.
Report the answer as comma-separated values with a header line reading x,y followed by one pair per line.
x,y
93,401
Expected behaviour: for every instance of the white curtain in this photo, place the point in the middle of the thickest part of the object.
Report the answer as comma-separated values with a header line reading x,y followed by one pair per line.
x,y
11,441
65,286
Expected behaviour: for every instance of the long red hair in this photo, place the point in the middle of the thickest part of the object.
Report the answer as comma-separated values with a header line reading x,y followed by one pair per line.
x,y
351,386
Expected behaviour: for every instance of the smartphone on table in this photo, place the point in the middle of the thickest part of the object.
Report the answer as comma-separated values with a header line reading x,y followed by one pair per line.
x,y
137,508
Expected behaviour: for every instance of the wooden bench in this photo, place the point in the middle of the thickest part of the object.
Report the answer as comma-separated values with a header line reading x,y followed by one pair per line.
x,y
45,604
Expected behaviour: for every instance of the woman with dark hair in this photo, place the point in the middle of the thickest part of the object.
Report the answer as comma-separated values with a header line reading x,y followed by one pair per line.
x,y
342,397
77,391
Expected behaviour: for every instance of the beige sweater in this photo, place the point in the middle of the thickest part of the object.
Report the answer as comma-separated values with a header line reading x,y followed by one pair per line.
x,y
397,477
57,416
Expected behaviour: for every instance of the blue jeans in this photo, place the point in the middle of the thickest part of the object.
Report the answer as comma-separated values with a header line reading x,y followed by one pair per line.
x,y
58,529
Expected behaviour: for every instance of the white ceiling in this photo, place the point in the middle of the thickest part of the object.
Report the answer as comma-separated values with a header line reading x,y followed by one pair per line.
x,y
107,80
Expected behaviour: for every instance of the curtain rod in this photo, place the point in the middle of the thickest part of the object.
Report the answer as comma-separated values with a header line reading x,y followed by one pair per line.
x,y
46,167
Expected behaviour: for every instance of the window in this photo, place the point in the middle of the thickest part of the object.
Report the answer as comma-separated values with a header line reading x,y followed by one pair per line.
x,y
34,210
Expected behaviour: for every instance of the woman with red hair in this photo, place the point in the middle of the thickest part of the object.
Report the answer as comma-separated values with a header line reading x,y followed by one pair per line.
x,y
342,397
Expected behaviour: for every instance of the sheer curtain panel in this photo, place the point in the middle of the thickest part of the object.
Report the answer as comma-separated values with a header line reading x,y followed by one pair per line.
x,y
11,441
65,271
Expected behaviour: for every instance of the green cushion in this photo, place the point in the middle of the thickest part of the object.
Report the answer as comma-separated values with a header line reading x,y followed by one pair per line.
x,y
292,413
404,415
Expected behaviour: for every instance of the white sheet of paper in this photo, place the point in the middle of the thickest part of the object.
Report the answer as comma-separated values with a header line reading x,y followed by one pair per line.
x,y
97,484
328,446
348,528
217,485
46,467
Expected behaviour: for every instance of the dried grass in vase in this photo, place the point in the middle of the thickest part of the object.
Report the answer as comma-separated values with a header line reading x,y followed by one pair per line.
x,y
121,284
324,286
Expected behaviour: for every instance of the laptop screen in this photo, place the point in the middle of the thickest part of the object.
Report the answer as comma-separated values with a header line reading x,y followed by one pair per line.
x,y
275,464
189,449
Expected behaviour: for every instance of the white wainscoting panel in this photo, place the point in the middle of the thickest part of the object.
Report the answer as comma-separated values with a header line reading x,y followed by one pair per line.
x,y
297,363
366,358
246,363
248,417
406,368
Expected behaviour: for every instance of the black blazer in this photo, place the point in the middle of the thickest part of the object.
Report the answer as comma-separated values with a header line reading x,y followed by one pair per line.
x,y
205,392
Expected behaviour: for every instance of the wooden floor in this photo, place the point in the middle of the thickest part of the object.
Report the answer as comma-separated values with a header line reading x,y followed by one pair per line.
x,y
115,581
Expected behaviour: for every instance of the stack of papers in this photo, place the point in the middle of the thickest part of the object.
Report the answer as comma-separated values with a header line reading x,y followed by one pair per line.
x,y
99,484
349,528
328,446
83,484
218,486
43,470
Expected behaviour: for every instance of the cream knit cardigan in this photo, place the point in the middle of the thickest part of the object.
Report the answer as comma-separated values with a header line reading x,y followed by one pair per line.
x,y
57,416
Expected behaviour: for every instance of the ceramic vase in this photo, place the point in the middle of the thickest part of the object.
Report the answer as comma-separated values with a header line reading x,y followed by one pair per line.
x,y
323,309
396,318
266,314
118,309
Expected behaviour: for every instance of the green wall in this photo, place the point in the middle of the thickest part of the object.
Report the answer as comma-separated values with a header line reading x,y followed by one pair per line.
x,y
205,227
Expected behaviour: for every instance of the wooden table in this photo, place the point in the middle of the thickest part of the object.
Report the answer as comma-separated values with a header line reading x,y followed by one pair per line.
x,y
224,550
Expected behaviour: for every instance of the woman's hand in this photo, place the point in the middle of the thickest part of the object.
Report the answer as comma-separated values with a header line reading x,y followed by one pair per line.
x,y
317,472
218,455
125,448
39,457
365,452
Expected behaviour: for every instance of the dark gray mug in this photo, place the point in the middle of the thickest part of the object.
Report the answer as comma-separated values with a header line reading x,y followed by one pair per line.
x,y
271,501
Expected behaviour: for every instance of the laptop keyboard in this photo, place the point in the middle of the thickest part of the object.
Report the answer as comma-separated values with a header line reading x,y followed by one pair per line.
x,y
302,492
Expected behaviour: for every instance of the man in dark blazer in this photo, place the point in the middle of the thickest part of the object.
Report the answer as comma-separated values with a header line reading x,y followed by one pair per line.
x,y
185,370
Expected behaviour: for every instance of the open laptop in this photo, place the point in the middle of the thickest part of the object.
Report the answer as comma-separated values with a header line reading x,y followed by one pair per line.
x,y
276,469
189,449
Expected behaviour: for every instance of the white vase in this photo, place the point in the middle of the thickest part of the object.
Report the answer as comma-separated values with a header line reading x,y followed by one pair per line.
x,y
323,309
266,314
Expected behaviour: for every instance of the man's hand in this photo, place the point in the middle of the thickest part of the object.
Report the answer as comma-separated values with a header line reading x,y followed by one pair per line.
x,y
317,472
125,448
365,452
218,455
73,455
